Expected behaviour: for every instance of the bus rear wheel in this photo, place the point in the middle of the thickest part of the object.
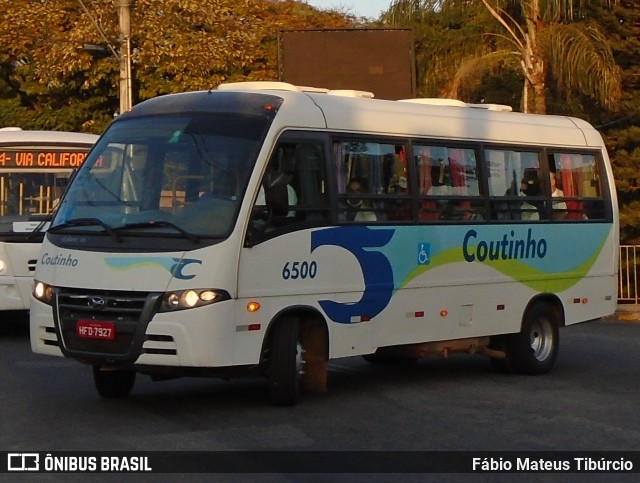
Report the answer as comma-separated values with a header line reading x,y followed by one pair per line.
x,y
286,363
113,383
534,349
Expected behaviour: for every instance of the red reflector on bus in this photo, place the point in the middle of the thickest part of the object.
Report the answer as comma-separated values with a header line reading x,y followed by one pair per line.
x,y
420,314
576,301
500,307
253,327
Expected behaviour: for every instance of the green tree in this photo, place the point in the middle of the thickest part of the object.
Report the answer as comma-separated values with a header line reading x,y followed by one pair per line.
x,y
445,34
540,37
621,130
48,80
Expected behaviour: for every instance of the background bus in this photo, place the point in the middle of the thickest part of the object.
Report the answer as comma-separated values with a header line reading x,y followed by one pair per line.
x,y
415,229
34,170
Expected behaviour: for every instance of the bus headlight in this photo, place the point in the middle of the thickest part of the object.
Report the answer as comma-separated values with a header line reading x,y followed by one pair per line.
x,y
43,292
188,299
3,265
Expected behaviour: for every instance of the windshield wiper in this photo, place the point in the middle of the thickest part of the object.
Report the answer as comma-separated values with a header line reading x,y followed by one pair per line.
x,y
88,222
39,227
161,223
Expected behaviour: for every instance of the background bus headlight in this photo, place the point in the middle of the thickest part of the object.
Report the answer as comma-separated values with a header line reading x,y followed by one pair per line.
x,y
43,292
188,299
3,265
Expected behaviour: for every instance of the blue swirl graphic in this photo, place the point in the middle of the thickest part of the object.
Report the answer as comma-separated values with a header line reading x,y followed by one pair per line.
x,y
376,270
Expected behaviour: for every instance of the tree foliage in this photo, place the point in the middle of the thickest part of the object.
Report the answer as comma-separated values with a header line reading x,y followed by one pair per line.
x,y
537,37
446,33
48,80
621,130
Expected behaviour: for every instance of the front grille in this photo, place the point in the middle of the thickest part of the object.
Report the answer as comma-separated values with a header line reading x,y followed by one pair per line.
x,y
127,305
129,311
31,265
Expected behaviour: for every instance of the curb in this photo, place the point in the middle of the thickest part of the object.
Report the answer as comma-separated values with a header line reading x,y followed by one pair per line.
x,y
625,313
626,317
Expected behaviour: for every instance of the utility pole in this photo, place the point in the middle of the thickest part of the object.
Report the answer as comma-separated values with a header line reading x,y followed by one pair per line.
x,y
124,21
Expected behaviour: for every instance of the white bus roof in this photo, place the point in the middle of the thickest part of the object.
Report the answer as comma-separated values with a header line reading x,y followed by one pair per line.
x,y
443,118
19,136
285,86
455,102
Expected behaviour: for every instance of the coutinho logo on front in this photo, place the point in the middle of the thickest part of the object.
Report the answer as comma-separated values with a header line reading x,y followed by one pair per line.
x,y
59,260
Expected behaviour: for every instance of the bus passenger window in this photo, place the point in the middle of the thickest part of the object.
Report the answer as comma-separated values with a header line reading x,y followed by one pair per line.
x,y
578,185
514,185
448,184
369,176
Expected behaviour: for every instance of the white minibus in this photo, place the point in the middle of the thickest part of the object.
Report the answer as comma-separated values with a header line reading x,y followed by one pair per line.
x,y
263,229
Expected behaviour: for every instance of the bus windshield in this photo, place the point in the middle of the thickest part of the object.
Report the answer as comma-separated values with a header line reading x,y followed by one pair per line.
x,y
27,198
34,173
182,175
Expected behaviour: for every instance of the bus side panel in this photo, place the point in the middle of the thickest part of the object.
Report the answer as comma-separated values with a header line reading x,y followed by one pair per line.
x,y
286,272
392,285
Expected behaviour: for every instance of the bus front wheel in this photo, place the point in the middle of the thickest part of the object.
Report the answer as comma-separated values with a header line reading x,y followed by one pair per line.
x,y
534,349
286,363
113,383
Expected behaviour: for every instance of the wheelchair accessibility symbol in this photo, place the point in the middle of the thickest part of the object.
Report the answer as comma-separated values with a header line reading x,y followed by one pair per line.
x,y
424,253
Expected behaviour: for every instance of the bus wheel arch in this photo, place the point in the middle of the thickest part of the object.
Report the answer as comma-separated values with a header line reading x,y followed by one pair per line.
x,y
532,350
296,351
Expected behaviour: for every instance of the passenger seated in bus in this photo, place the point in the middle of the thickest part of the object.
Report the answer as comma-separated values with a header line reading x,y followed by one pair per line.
x,y
267,217
358,209
509,209
559,207
400,209
291,196
530,186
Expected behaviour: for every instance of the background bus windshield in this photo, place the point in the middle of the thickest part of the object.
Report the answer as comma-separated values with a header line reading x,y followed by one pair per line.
x,y
31,182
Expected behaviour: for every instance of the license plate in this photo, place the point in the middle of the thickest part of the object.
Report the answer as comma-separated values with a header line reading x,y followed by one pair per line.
x,y
96,329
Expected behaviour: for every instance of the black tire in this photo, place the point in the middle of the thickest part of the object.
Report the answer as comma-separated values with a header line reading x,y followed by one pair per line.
x,y
534,349
285,363
113,384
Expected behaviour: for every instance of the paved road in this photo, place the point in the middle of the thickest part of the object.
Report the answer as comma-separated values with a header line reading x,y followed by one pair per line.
x,y
589,402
